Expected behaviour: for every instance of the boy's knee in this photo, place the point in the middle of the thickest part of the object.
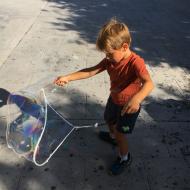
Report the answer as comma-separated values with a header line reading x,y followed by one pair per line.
x,y
119,136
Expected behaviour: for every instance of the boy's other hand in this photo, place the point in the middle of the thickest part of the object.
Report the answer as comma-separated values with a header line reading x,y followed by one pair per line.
x,y
61,81
131,107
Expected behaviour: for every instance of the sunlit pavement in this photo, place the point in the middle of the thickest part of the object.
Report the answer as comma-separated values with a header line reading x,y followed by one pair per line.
x,y
44,39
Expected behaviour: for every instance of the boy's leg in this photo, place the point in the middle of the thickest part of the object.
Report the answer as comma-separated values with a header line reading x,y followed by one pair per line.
x,y
124,159
122,142
110,116
108,136
125,125
111,130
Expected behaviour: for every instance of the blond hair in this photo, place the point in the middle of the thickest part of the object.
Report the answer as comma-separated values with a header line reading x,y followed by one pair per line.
x,y
113,35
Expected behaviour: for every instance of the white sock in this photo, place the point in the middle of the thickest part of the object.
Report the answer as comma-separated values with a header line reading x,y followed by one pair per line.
x,y
124,157
112,136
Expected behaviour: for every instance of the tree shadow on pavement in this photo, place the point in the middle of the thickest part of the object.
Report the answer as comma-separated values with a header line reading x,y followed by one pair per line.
x,y
82,161
160,29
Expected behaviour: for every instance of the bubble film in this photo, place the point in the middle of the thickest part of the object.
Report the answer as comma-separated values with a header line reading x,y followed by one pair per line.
x,y
26,119
34,129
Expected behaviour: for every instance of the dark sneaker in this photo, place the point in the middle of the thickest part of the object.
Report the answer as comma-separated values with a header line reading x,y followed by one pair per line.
x,y
105,136
119,166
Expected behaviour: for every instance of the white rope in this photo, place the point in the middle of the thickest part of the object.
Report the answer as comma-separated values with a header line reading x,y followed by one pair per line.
x,y
88,126
37,145
38,142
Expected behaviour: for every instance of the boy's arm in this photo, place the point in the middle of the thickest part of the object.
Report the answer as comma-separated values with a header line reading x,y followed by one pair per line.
x,y
133,105
82,74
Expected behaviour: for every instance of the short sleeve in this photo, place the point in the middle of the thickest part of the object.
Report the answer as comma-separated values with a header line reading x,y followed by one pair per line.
x,y
140,67
103,64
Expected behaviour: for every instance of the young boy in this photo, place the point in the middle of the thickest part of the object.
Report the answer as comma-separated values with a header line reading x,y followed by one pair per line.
x,y
130,83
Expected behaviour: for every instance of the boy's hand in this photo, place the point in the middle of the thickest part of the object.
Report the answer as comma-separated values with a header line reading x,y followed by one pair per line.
x,y
61,81
131,107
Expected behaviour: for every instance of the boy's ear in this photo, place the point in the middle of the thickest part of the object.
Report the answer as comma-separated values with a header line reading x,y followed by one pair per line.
x,y
125,46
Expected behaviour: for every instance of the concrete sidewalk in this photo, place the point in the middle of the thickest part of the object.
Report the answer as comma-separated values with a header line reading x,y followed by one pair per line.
x,y
43,39
16,19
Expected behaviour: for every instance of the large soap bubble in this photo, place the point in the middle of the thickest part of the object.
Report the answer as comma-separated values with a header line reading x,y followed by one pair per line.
x,y
35,130
26,119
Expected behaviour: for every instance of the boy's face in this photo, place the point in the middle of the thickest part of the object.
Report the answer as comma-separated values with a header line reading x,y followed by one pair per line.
x,y
116,55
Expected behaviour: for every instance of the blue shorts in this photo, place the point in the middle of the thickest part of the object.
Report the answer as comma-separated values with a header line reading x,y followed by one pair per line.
x,y
112,115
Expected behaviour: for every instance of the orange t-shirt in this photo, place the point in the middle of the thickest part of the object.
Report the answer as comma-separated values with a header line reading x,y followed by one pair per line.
x,y
124,77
